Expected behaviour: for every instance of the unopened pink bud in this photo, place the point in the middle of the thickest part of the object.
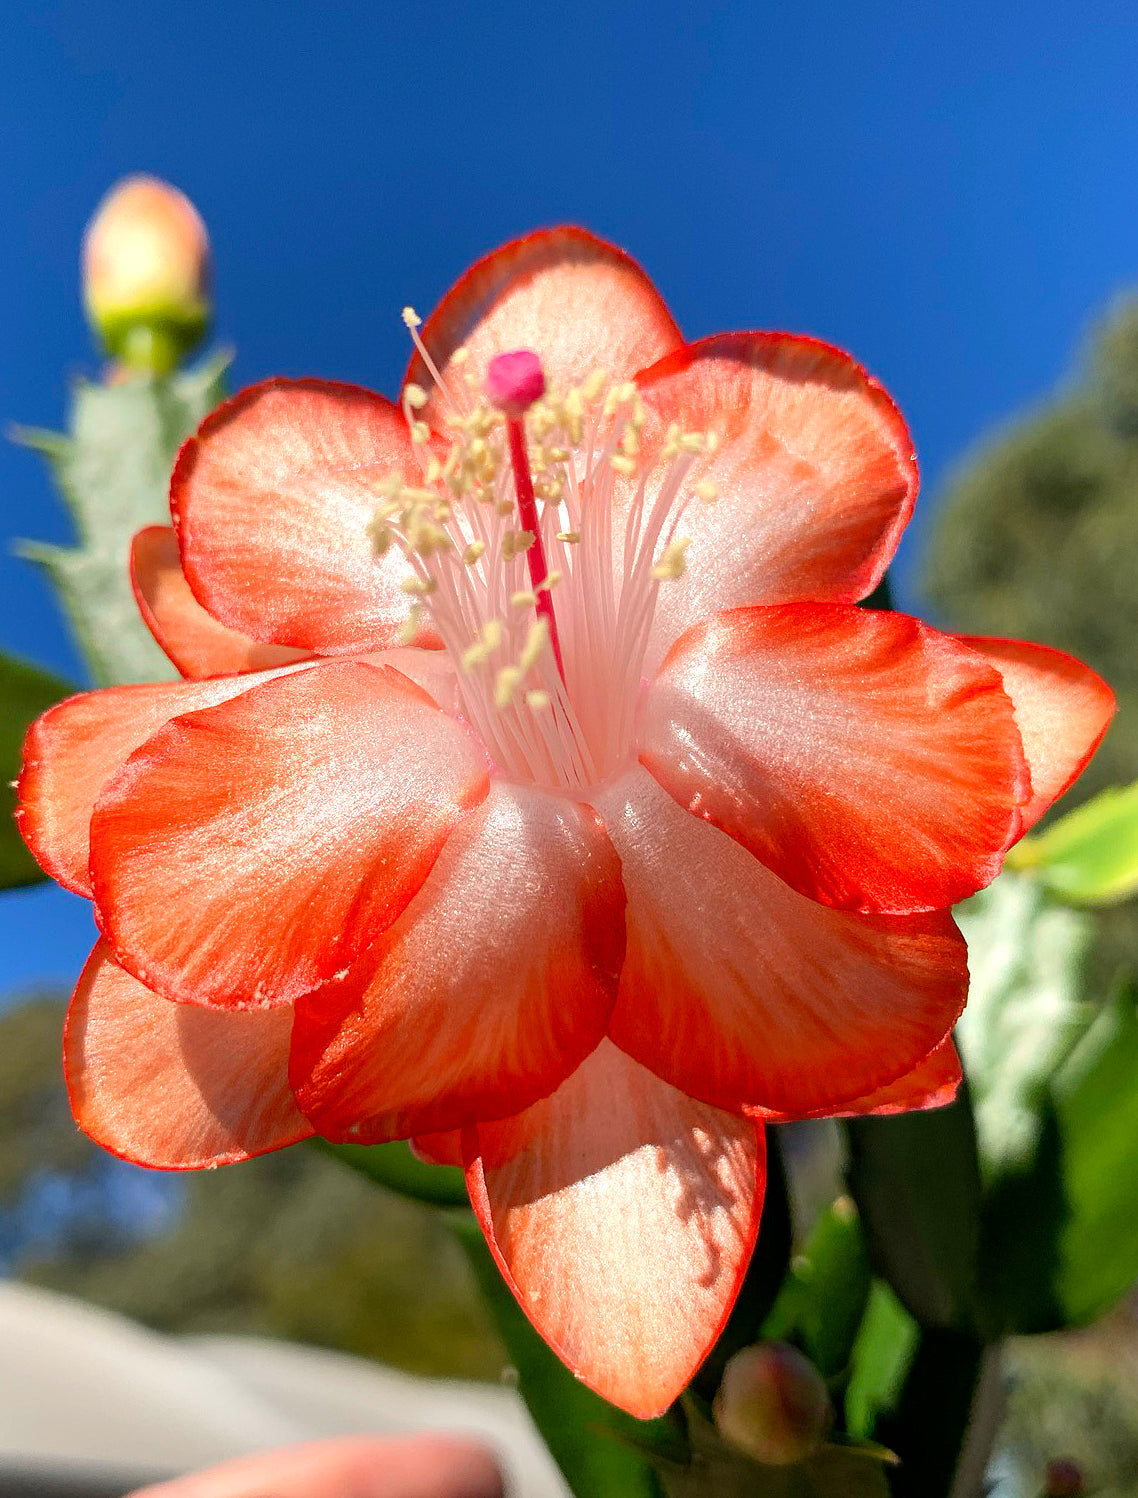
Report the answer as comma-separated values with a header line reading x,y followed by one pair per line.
x,y
773,1404
146,274
514,381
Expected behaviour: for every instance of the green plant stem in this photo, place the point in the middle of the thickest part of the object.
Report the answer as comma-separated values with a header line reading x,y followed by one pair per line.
x,y
930,1423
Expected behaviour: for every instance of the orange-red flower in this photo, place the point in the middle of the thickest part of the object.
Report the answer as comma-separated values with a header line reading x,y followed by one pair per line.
x,y
638,833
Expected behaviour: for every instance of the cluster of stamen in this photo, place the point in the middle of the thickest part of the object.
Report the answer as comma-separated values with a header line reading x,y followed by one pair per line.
x,y
548,620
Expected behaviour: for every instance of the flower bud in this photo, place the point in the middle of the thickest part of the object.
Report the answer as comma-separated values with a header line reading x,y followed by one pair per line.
x,y
773,1404
1064,1480
146,274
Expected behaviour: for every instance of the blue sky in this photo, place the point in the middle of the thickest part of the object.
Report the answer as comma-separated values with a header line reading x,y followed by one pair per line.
x,y
945,190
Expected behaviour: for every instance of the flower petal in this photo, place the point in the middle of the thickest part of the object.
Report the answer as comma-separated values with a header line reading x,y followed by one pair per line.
x,y
75,747
439,1149
433,670
250,851
622,1214
1062,709
815,472
173,1086
871,762
495,982
197,643
740,991
933,1083
578,303
272,501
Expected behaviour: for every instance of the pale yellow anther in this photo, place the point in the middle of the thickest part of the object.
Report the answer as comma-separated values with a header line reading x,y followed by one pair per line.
x,y
492,634
540,420
411,318
536,641
523,600
693,442
515,543
537,700
505,685
671,563
473,552
570,538
460,356
623,464
707,491
420,432
484,647
415,396
594,383
549,581
411,625
418,586
381,538
714,440
434,471
630,442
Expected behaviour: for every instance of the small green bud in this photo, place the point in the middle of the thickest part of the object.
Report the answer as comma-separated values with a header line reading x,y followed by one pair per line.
x,y
146,275
773,1404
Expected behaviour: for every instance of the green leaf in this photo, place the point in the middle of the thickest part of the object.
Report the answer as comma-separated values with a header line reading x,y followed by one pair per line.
x,y
1026,1010
603,1452
1090,856
113,471
823,1297
916,1181
1096,1109
885,1346
394,1166
25,692
1061,1233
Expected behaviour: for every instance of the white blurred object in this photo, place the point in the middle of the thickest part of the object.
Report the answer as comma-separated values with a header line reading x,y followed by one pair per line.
x,y
90,1401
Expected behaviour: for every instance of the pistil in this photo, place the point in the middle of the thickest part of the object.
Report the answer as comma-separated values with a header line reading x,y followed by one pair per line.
x,y
514,382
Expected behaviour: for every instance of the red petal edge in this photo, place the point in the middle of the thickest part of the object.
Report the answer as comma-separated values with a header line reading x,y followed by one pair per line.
x,y
1062,709
598,1182
272,500
173,1087
574,300
871,762
932,1084
815,472
197,643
